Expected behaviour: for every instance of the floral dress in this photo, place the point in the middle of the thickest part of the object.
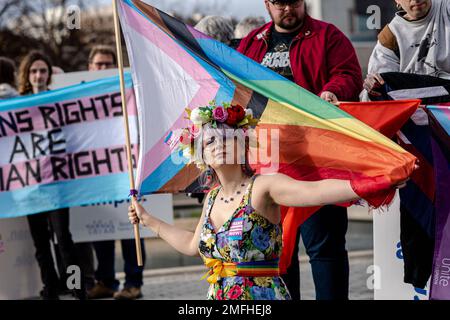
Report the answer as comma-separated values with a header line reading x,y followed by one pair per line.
x,y
260,241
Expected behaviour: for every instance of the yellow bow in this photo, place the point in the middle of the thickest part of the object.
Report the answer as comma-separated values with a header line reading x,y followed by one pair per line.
x,y
219,269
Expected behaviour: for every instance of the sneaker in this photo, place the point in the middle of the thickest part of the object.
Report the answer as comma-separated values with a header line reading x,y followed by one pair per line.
x,y
100,291
130,293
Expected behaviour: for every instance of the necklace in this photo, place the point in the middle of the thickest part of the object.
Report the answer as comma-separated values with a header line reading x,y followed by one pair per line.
x,y
231,199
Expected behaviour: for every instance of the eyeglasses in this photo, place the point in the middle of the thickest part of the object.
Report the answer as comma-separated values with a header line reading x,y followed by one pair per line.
x,y
281,5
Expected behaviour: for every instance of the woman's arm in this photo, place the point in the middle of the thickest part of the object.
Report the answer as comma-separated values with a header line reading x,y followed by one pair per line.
x,y
181,240
285,191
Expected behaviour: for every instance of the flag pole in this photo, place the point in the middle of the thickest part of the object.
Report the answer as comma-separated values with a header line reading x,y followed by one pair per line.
x,y
133,192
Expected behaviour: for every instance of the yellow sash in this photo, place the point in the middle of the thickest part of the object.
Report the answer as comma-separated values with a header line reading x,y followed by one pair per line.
x,y
219,269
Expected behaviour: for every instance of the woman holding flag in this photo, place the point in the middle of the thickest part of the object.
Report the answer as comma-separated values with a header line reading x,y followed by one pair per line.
x,y
239,235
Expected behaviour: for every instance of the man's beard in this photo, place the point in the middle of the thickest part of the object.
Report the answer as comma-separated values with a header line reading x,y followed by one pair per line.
x,y
294,24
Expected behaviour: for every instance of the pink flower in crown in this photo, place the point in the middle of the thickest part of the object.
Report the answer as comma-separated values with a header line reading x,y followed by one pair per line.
x,y
185,137
220,114
194,131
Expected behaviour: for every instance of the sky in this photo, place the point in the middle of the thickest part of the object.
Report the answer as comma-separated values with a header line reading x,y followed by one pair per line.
x,y
235,8
231,8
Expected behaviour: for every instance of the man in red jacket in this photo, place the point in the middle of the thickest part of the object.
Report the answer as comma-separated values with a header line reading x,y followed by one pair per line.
x,y
320,58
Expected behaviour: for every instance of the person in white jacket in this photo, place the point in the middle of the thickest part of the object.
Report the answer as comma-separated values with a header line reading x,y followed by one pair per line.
x,y
416,41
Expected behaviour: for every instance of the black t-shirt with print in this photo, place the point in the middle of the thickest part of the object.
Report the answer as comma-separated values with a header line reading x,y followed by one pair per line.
x,y
277,56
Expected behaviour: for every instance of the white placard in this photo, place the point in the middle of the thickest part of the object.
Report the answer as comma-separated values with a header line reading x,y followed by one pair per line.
x,y
19,272
62,80
388,258
110,221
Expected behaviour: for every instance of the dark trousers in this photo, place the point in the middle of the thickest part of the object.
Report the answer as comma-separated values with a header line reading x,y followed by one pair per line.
x,y
417,250
42,227
323,235
85,254
105,251
85,257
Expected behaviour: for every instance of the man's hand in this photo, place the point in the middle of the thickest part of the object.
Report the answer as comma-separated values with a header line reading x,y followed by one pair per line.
x,y
329,97
372,83
403,183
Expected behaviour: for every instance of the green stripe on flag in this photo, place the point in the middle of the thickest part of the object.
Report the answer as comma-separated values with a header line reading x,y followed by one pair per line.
x,y
289,92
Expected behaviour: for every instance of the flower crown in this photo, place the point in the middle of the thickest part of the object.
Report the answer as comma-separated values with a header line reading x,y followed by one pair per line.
x,y
233,115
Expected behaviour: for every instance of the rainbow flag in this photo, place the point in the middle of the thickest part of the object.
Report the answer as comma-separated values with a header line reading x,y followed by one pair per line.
x,y
176,67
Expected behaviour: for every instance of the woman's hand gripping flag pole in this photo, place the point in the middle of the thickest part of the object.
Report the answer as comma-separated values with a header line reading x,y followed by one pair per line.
x,y
133,192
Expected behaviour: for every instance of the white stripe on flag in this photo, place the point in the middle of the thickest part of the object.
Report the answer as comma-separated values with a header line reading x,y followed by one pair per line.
x,y
74,138
419,93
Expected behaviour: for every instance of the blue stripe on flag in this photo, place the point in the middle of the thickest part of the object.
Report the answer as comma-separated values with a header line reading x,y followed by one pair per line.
x,y
225,94
64,194
167,170
443,119
160,176
78,91
243,67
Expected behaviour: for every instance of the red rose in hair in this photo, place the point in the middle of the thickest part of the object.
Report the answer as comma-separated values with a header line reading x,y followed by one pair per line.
x,y
232,117
236,114
240,112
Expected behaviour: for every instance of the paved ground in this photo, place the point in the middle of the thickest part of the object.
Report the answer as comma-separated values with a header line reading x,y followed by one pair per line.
x,y
183,283
172,276
161,255
187,285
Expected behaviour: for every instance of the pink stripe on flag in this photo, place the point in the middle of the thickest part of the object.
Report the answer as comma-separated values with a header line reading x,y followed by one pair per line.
x,y
160,39
55,168
447,113
68,112
161,151
208,85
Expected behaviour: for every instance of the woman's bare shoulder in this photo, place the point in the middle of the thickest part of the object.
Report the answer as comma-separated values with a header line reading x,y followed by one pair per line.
x,y
268,179
262,185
